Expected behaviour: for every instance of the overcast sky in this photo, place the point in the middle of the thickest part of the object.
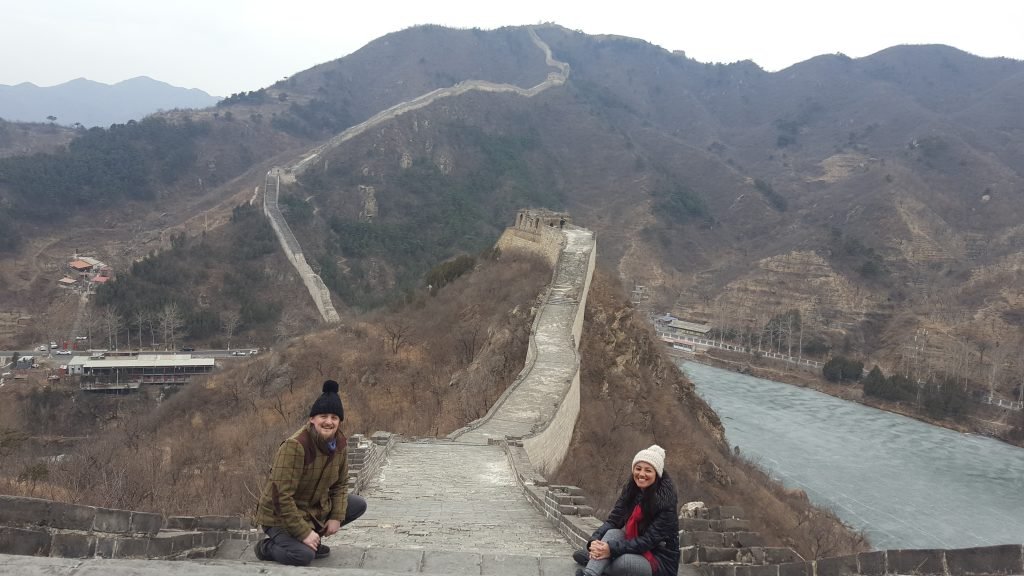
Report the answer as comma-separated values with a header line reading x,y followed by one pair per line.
x,y
227,46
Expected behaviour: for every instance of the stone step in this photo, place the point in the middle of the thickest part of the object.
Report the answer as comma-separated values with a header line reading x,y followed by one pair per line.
x,y
725,525
756,555
720,539
414,561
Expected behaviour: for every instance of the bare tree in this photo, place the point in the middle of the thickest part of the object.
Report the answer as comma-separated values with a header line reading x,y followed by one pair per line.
x,y
153,321
291,323
141,317
398,334
171,320
469,340
229,321
982,345
113,323
89,322
1000,358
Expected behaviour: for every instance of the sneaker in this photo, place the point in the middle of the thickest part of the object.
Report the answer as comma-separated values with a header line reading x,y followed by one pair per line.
x,y
260,548
322,551
581,557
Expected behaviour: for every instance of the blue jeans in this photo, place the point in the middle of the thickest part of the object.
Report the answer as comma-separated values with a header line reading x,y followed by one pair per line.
x,y
286,549
625,565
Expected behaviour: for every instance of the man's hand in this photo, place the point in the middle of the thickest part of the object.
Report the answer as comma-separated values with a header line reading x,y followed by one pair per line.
x,y
332,527
312,540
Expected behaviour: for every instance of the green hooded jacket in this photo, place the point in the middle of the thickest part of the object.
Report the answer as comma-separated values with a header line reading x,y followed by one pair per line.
x,y
306,487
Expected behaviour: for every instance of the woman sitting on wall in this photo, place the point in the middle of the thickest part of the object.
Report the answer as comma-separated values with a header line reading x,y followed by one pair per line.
x,y
641,535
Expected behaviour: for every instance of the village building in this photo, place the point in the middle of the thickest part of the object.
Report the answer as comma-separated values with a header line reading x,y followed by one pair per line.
x,y
669,325
685,328
86,274
99,372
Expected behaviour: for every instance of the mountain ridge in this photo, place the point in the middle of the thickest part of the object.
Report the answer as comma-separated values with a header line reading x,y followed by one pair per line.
x,y
89,103
895,177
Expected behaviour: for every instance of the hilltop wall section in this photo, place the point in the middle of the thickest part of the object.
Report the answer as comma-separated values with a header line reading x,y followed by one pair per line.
x,y
538,231
290,245
317,289
553,79
541,407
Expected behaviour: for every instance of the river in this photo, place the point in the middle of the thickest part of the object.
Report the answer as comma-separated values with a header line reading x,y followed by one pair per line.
x,y
907,484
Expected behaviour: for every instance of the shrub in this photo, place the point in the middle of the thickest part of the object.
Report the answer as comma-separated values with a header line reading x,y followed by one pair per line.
x,y
896,388
842,369
445,272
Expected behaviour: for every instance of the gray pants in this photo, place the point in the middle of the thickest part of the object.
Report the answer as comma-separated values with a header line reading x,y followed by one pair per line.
x,y
285,549
625,565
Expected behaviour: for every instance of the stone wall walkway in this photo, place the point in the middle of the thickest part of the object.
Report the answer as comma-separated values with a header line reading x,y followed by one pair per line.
x,y
443,495
534,400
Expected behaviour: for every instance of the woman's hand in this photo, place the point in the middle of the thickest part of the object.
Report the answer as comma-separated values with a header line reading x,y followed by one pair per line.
x,y
599,550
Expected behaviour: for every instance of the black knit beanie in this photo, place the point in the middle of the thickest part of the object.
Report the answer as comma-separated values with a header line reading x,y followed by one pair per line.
x,y
329,402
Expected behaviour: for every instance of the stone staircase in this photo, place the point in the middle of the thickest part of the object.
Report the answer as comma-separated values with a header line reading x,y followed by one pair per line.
x,y
718,542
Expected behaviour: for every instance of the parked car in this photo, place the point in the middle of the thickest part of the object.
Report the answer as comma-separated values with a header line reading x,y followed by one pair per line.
x,y
239,353
188,348
63,352
42,348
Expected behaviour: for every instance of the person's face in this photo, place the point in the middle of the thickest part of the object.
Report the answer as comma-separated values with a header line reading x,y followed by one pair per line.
x,y
644,474
326,425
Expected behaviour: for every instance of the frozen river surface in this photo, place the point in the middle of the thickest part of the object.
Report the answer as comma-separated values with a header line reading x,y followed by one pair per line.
x,y
907,484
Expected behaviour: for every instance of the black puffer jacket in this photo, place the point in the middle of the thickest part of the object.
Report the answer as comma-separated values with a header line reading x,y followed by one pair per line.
x,y
659,534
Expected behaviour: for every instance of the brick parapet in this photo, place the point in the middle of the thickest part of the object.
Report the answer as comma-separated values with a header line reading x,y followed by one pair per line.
x,y
366,456
33,512
37,527
1007,559
564,506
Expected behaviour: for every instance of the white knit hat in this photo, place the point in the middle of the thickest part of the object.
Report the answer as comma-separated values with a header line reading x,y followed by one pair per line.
x,y
654,455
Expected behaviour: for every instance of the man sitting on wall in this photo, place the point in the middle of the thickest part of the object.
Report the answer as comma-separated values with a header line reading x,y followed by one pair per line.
x,y
304,499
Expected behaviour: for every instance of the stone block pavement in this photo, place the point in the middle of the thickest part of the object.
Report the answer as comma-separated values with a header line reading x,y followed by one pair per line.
x,y
347,561
443,495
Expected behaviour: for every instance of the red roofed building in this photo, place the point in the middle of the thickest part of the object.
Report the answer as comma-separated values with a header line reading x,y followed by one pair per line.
x,y
80,266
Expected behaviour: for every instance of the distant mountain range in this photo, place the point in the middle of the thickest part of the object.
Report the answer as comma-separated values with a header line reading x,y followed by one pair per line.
x,y
92,103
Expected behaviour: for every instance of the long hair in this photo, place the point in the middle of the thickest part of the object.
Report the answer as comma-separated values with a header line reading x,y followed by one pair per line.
x,y
649,498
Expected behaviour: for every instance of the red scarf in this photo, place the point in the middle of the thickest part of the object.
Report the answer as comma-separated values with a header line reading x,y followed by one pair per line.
x,y
633,532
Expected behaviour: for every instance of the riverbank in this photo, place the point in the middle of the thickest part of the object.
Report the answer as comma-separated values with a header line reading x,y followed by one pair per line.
x,y
803,377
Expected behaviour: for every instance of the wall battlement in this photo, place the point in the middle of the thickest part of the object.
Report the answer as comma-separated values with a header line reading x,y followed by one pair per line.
x,y
37,527
536,230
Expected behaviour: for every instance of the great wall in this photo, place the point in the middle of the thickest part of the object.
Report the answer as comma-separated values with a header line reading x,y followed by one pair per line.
x,y
476,502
